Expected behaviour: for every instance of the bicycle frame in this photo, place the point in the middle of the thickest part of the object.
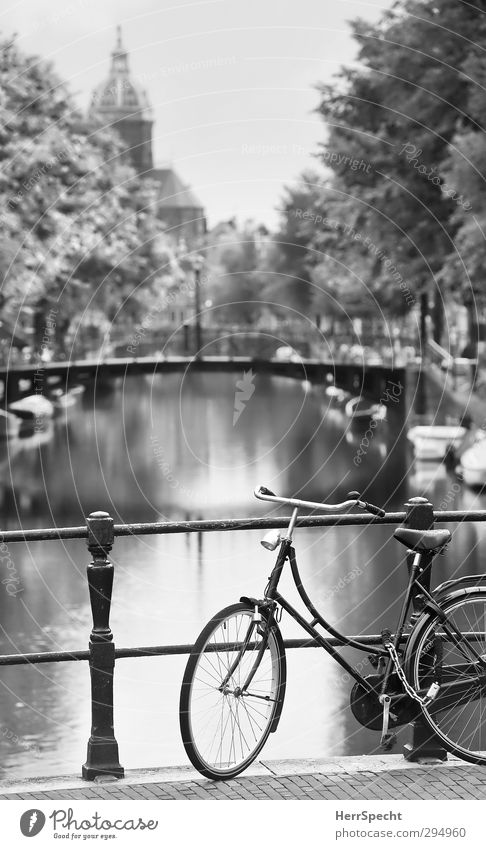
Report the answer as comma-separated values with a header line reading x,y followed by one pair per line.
x,y
273,597
287,552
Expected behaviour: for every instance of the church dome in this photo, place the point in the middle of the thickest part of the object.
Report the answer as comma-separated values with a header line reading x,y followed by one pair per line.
x,y
119,96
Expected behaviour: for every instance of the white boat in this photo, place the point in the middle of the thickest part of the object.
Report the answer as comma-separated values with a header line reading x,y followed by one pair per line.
x,y
63,400
363,408
431,442
9,425
425,474
32,407
336,394
287,354
472,465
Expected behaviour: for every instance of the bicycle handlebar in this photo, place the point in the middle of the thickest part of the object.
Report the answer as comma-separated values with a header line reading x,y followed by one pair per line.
x,y
264,494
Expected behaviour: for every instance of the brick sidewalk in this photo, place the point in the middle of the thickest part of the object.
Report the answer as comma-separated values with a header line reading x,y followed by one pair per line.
x,y
346,778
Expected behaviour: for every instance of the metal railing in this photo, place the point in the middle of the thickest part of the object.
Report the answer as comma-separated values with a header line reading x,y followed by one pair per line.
x,y
100,532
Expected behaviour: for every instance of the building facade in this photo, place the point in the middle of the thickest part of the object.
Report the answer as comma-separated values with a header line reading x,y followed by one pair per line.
x,y
123,104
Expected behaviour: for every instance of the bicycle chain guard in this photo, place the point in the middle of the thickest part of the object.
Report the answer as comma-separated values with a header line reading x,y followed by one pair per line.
x,y
367,709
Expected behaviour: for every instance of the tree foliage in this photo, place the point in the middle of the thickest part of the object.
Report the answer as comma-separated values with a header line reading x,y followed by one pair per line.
x,y
234,267
404,125
79,230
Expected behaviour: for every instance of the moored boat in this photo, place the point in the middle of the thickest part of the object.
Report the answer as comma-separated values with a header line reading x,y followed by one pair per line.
x,y
32,407
363,408
64,400
431,442
9,424
337,395
472,466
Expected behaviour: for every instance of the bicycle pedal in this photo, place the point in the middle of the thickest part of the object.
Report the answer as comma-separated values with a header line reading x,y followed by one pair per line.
x,y
388,741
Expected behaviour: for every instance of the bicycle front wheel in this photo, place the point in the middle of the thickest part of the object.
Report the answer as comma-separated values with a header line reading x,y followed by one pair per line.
x,y
435,654
232,691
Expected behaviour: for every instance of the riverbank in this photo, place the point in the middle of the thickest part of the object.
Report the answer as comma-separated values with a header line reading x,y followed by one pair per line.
x,y
364,777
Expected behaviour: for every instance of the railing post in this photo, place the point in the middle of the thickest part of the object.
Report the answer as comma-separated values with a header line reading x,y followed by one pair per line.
x,y
425,745
102,758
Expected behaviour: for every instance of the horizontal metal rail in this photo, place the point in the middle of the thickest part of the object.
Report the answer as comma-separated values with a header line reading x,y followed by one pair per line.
x,y
250,524
158,651
32,658
100,533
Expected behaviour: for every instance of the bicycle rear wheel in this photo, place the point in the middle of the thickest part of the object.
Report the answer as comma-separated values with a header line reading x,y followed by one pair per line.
x,y
458,713
224,726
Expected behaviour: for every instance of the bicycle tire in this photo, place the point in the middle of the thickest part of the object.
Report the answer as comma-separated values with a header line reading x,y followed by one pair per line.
x,y
223,732
457,716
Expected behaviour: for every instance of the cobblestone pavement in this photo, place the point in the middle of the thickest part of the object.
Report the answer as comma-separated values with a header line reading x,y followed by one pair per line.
x,y
438,781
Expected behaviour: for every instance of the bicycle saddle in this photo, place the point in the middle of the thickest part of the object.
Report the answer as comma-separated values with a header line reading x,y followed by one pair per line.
x,y
422,540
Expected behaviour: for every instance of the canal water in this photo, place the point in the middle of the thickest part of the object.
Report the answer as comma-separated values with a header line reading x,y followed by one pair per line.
x,y
187,447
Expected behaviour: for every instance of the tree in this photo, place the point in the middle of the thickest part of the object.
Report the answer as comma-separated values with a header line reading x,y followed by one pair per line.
x,y
390,124
463,272
78,227
233,269
287,261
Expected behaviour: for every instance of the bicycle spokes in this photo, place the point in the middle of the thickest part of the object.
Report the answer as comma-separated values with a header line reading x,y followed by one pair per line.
x,y
458,665
232,691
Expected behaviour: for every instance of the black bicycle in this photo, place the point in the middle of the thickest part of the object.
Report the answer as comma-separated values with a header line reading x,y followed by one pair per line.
x,y
234,684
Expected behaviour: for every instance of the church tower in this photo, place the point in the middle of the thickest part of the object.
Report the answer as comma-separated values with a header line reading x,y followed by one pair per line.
x,y
123,104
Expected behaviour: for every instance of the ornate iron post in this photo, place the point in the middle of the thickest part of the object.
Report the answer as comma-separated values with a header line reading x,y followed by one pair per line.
x,y
102,758
425,745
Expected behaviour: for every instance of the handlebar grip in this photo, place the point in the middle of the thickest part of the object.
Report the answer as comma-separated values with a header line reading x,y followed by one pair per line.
x,y
377,511
264,491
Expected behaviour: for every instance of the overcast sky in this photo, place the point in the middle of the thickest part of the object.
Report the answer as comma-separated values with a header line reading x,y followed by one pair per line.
x,y
231,81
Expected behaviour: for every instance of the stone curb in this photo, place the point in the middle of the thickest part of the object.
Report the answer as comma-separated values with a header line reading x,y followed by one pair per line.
x,y
270,769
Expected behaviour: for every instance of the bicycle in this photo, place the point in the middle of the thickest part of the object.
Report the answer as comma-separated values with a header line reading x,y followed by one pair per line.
x,y
233,688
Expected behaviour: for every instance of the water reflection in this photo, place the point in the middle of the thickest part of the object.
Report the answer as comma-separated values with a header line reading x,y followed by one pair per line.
x,y
166,447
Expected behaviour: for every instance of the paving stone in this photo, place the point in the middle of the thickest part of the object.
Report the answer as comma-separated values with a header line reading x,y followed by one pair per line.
x,y
447,781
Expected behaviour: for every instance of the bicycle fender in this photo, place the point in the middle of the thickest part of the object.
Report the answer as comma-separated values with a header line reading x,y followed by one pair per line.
x,y
432,610
443,591
254,602
283,686
450,593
